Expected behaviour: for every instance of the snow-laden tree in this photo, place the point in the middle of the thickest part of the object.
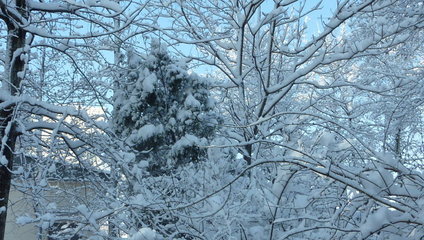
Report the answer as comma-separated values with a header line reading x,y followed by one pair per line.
x,y
322,118
52,62
166,117
164,113
296,111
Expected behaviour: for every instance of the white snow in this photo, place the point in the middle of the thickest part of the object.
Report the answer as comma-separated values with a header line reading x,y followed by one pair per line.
x,y
183,114
149,130
191,102
143,164
327,139
43,183
3,160
187,141
172,121
83,209
52,168
146,234
133,59
257,232
374,221
22,220
47,220
20,170
112,5
149,83
301,201
140,200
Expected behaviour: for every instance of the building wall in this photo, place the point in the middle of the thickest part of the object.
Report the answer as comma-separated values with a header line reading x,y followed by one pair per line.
x,y
66,195
19,205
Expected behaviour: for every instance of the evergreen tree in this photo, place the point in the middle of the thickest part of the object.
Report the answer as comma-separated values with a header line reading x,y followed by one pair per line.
x,y
163,112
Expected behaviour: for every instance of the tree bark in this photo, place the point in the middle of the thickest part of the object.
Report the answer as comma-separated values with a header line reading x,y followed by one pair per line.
x,y
5,170
11,83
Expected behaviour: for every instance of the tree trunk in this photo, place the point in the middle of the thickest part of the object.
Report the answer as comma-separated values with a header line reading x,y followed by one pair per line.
x,y
8,134
5,170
